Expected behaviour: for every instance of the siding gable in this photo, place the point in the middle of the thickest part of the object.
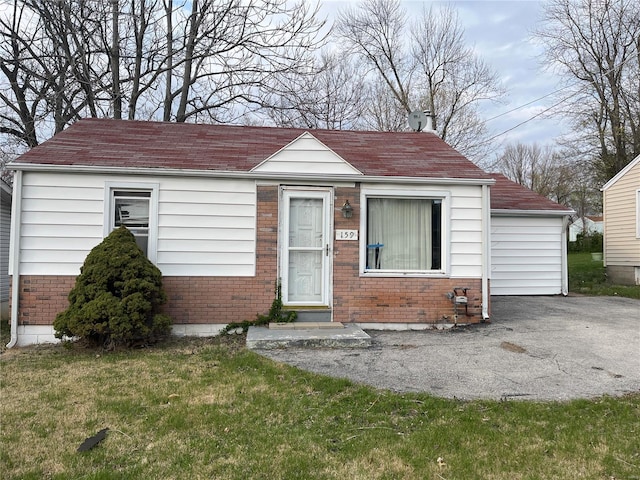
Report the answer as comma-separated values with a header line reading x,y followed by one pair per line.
x,y
621,217
306,154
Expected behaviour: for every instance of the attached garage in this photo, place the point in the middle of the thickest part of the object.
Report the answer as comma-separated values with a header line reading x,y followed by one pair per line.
x,y
528,242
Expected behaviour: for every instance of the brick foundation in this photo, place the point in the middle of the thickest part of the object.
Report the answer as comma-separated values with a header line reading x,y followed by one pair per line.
x,y
42,297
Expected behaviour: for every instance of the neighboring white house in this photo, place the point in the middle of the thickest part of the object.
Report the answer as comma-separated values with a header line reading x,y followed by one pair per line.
x,y
528,241
5,228
621,206
590,225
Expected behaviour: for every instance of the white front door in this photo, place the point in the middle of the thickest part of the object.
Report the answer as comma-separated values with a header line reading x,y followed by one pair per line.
x,y
306,241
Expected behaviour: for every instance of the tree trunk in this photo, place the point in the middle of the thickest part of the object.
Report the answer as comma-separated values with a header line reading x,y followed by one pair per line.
x,y
116,93
168,99
188,62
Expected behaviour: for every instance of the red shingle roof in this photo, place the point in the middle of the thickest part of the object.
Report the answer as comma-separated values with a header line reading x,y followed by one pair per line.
x,y
508,195
122,144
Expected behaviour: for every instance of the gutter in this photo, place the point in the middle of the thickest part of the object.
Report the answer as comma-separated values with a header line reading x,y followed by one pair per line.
x,y
565,264
531,213
323,177
14,255
486,250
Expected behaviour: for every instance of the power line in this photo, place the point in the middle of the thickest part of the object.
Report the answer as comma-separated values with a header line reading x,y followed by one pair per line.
x,y
552,106
527,104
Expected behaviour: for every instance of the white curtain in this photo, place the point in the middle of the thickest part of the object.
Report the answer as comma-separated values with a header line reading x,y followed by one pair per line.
x,y
399,234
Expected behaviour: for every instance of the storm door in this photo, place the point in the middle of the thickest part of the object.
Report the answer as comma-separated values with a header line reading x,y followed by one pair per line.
x,y
306,242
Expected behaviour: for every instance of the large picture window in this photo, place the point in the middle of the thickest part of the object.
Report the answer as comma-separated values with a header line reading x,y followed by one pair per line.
x,y
403,234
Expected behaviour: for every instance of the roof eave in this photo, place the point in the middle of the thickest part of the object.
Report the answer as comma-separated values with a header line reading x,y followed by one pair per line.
x,y
29,167
532,213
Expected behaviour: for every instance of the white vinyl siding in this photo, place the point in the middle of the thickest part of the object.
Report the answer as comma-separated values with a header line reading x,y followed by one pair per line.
x,y
466,232
61,221
622,243
205,226
306,155
526,255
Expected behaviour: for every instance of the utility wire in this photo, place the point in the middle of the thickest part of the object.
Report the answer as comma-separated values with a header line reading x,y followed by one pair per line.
x,y
552,106
527,104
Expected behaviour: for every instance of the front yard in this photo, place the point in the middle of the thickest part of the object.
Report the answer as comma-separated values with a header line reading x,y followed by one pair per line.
x,y
212,409
209,408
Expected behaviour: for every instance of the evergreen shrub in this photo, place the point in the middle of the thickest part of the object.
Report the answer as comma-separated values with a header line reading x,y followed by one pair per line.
x,y
587,242
117,296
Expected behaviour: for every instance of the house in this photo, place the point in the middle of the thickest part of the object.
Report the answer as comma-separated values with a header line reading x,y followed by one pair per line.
x,y
621,206
226,211
375,228
528,241
588,225
5,228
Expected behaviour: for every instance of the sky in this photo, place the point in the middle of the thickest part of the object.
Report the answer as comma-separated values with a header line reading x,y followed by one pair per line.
x,y
501,33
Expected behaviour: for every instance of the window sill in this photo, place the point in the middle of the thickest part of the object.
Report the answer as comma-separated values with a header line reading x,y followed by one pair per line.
x,y
391,274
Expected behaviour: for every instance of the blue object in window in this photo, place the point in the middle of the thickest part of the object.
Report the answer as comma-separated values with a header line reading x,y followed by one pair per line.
x,y
376,254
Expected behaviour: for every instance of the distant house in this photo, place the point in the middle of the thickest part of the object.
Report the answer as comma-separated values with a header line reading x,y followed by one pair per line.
x,y
5,228
528,241
621,206
374,228
587,226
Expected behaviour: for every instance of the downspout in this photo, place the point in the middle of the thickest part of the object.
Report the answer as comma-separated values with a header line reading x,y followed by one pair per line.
x,y
565,267
486,250
14,258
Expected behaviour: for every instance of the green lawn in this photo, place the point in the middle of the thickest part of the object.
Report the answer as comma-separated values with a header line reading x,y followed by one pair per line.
x,y
212,409
588,277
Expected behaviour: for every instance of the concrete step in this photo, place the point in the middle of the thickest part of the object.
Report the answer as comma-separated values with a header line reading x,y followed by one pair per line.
x,y
304,325
313,315
301,335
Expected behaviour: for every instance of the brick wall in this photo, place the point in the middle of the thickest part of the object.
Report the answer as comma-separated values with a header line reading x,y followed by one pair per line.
x,y
232,299
42,297
386,299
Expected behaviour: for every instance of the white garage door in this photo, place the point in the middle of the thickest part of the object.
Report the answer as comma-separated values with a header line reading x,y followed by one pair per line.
x,y
526,255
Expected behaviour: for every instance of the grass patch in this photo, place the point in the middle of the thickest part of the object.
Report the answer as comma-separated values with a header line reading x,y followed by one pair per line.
x,y
588,277
209,408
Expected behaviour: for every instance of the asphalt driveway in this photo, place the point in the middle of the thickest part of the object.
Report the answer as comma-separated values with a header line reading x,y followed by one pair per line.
x,y
539,348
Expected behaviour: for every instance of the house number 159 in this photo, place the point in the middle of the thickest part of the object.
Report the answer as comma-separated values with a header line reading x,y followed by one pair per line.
x,y
346,234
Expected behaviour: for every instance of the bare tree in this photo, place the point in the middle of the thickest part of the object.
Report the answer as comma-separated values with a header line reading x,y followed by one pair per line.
x,y
52,74
22,95
438,72
595,45
374,31
382,110
189,60
455,80
541,169
235,52
331,98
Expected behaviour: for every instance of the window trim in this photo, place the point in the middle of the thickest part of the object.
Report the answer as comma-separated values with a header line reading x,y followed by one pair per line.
x,y
443,195
638,213
152,188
